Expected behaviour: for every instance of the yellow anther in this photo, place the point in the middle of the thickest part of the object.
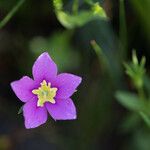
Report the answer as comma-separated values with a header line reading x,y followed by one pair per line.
x,y
45,93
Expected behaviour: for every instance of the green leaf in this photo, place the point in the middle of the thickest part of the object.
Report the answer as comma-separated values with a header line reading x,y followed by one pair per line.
x,y
20,110
58,4
98,10
134,103
78,19
143,61
146,118
136,70
134,58
130,101
102,57
71,21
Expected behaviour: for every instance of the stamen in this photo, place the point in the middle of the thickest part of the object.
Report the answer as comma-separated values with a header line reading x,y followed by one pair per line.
x,y
45,93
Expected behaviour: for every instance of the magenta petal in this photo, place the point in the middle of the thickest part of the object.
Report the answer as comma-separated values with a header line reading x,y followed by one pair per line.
x,y
44,68
34,116
66,84
62,110
23,88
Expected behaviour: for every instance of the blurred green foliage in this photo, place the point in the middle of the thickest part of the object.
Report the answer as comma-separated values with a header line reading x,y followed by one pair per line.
x,y
77,18
131,101
90,38
143,11
59,47
139,102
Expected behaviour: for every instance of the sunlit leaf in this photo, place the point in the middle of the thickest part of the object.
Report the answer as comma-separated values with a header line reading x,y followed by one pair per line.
x,y
72,20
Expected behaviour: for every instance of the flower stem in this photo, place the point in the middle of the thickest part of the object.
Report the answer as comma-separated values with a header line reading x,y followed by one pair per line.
x,y
11,13
75,6
141,93
123,27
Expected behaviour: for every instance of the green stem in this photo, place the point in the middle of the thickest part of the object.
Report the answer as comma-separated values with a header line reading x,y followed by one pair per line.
x,y
122,27
141,93
101,56
11,13
75,6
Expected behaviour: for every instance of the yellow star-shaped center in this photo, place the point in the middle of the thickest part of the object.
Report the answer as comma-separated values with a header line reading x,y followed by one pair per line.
x,y
45,93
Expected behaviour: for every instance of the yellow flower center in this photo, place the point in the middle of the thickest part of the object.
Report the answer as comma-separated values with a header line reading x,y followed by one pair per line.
x,y
45,93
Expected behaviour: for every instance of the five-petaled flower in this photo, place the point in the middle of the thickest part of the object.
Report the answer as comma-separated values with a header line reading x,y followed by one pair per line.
x,y
47,92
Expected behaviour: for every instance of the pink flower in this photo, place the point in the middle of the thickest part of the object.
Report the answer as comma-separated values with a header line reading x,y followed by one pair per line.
x,y
47,92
